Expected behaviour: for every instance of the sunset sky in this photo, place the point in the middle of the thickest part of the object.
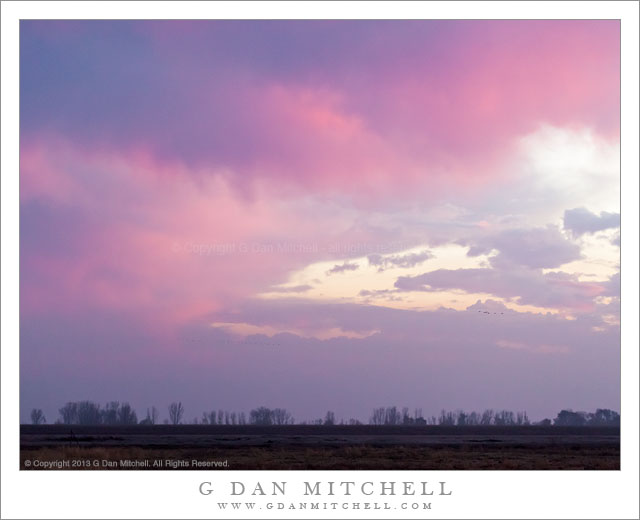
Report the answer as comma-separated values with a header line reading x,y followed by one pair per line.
x,y
320,215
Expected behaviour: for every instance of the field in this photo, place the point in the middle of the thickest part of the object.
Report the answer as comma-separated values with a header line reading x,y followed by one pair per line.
x,y
300,447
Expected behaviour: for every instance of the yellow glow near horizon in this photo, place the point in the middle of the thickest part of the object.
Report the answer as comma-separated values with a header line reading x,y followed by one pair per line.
x,y
346,287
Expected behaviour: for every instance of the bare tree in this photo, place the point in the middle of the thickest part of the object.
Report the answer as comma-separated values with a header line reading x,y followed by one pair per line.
x,y
152,416
127,415
391,415
487,417
110,413
69,413
220,416
176,411
330,418
242,419
377,417
281,416
261,416
37,416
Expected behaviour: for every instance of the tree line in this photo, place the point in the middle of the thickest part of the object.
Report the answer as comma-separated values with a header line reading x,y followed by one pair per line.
x,y
116,413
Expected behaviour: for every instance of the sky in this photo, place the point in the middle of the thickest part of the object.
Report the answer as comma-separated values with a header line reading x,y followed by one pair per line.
x,y
320,215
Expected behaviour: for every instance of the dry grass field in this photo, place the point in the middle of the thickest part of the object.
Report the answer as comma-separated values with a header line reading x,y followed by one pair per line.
x,y
319,448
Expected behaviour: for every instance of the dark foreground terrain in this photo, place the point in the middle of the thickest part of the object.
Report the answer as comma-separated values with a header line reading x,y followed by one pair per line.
x,y
299,447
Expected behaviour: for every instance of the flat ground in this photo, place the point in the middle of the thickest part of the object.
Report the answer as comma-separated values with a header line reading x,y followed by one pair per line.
x,y
301,447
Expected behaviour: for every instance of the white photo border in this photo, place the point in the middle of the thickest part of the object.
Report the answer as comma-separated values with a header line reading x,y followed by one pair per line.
x,y
476,494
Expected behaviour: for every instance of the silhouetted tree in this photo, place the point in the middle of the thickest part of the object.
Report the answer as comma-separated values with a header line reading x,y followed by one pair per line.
x,y
473,419
281,416
176,411
152,416
261,415
37,416
110,413
604,417
447,418
570,418
242,419
391,415
377,417
330,418
487,417
127,415
69,413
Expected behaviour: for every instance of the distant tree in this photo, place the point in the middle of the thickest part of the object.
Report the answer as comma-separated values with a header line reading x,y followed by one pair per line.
x,y
110,413
473,419
261,416
281,416
447,418
504,418
604,417
209,417
461,420
417,414
377,417
37,416
227,419
354,422
69,413
127,415
242,419
152,416
570,418
391,415
176,411
233,417
220,416
330,418
544,422
487,417
406,419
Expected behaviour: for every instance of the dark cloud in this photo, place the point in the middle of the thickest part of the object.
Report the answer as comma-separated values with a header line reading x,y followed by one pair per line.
x,y
341,268
403,261
580,221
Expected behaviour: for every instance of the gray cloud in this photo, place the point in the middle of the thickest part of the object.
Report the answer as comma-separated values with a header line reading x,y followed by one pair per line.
x,y
341,268
524,286
403,261
533,248
580,221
